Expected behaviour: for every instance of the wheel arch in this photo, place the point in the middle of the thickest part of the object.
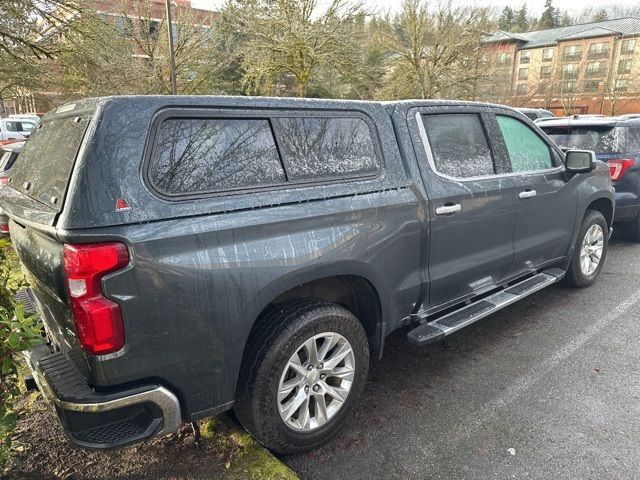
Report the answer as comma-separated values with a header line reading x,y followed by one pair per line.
x,y
349,288
604,206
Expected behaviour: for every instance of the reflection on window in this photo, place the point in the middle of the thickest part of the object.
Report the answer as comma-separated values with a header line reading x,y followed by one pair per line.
x,y
316,148
599,139
527,151
204,155
459,145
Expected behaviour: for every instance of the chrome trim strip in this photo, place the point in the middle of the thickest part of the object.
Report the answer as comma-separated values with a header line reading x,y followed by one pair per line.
x,y
160,396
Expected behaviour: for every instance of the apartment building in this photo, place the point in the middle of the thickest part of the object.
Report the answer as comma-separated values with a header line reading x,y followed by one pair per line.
x,y
590,68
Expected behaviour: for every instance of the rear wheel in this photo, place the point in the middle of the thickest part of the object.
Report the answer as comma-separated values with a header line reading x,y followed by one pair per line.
x,y
305,367
590,251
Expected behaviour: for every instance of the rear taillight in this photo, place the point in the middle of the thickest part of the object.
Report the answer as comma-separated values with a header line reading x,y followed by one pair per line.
x,y
4,181
4,228
98,320
618,167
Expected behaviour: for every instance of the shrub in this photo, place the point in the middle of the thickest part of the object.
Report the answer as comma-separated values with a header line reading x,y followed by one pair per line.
x,y
18,332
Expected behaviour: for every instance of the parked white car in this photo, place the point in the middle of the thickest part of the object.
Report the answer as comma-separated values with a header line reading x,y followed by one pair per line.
x,y
15,128
32,117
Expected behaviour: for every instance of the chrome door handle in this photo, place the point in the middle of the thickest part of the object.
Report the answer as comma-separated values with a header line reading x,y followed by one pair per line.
x,y
527,194
448,209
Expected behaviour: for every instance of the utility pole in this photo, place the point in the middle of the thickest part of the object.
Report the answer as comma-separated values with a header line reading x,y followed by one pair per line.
x,y
172,60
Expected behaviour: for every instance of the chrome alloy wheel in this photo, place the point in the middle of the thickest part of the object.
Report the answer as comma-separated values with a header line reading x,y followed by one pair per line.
x,y
591,250
316,381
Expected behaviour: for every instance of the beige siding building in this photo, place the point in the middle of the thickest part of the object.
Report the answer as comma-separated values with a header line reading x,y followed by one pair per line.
x,y
590,68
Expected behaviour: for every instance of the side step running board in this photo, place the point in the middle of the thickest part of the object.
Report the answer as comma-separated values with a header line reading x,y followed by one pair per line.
x,y
447,324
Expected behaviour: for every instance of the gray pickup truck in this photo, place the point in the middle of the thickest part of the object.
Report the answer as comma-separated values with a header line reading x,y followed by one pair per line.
x,y
189,255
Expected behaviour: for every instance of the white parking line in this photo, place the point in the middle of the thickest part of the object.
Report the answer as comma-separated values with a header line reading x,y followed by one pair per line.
x,y
527,381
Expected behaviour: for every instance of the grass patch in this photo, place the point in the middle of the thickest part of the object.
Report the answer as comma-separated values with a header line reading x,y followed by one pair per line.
x,y
245,458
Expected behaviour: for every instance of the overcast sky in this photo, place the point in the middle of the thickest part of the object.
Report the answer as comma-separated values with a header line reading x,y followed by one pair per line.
x,y
534,7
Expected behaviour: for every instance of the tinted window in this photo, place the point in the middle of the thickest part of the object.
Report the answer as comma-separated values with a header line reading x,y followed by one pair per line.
x,y
318,147
527,151
459,145
600,139
633,140
204,155
47,159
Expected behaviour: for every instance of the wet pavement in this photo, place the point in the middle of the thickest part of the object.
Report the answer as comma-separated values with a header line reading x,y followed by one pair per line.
x,y
548,388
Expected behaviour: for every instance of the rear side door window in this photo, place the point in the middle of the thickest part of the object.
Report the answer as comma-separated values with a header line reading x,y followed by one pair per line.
x,y
527,150
199,155
459,145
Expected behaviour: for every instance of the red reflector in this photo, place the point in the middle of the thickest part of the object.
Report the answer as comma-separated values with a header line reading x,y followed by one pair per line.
x,y
98,320
4,228
122,205
4,181
618,167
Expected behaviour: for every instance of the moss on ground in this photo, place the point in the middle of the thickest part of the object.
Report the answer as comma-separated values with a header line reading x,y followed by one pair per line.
x,y
246,458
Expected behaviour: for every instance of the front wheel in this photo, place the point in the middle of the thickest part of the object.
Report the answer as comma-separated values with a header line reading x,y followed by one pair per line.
x,y
590,251
305,367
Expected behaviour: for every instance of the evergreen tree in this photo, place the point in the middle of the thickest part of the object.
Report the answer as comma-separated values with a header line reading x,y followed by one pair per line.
x,y
506,21
522,21
600,16
549,17
566,20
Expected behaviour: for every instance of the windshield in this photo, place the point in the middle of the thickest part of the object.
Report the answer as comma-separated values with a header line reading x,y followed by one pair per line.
x,y
600,139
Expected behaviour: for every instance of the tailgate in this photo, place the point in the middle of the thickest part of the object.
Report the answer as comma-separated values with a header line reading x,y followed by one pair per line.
x,y
41,257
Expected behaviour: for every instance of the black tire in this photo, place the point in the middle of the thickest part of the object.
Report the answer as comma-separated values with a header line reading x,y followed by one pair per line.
x,y
276,337
575,276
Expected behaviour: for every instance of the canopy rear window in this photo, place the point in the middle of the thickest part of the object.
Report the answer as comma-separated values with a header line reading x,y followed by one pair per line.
x,y
47,159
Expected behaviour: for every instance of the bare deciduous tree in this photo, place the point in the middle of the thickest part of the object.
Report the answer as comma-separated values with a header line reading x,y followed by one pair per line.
x,y
296,38
127,53
434,49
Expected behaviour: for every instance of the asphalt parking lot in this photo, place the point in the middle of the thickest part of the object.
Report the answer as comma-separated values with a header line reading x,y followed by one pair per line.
x,y
548,389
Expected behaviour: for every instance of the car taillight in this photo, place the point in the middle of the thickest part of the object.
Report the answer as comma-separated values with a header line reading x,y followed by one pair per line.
x,y
618,167
4,181
4,228
98,320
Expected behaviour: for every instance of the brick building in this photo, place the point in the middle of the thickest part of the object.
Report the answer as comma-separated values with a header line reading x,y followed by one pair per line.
x,y
153,12
589,68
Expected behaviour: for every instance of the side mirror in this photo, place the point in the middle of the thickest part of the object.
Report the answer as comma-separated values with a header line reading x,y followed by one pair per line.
x,y
580,161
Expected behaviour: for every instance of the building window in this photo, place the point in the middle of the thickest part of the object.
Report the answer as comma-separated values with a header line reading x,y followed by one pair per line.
x,y
521,89
598,50
545,71
503,59
624,66
622,84
525,57
547,54
572,52
591,86
628,46
568,86
570,71
595,69
154,26
523,74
